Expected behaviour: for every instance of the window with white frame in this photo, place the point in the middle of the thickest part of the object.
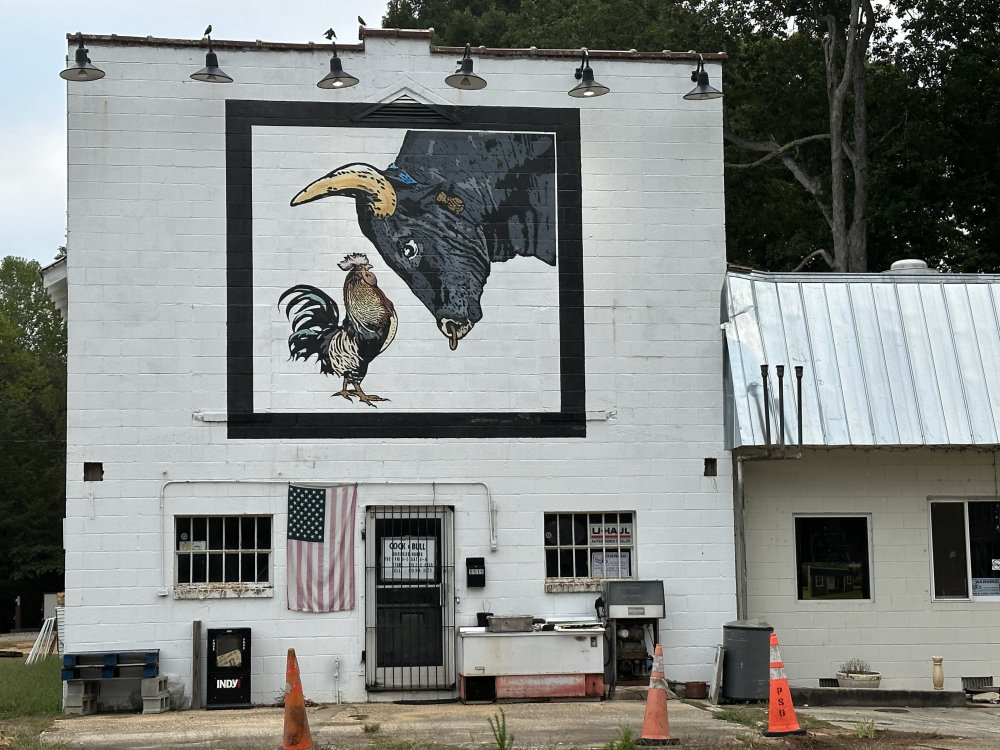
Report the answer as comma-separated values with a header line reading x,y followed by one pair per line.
x,y
212,551
965,548
832,558
589,545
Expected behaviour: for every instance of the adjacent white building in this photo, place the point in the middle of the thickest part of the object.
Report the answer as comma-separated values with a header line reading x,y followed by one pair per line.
x,y
874,531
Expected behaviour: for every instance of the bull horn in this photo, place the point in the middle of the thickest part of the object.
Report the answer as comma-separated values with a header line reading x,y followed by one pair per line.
x,y
351,180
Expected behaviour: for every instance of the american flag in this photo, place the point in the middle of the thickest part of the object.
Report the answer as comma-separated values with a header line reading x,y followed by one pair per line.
x,y
321,548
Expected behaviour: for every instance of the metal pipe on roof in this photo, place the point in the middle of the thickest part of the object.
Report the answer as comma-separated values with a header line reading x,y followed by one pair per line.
x,y
781,403
767,405
798,398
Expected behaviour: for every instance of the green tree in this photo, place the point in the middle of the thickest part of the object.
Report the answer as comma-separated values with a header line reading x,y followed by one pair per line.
x,y
32,434
950,53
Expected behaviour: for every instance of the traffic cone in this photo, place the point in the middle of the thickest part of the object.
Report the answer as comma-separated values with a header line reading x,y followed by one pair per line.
x,y
655,726
296,734
780,711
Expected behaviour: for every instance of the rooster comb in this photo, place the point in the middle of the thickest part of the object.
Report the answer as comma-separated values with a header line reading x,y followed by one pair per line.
x,y
354,260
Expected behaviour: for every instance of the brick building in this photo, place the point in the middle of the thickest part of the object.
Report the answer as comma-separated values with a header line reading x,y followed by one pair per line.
x,y
547,364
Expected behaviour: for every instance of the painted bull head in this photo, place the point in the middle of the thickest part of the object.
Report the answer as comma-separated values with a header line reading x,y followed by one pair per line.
x,y
449,206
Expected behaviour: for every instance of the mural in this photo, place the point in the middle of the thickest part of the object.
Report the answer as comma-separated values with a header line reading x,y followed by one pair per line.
x,y
471,219
450,205
345,349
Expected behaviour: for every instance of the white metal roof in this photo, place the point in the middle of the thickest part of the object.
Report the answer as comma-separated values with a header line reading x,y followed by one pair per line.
x,y
893,359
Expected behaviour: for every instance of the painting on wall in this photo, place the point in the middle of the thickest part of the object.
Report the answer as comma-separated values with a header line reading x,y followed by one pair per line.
x,y
403,279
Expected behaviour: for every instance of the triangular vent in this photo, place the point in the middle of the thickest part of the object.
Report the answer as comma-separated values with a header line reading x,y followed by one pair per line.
x,y
407,110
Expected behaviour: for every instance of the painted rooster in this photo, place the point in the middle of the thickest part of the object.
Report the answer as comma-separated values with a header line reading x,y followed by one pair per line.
x,y
345,349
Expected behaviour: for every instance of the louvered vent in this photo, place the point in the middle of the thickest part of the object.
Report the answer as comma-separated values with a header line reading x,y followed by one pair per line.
x,y
405,109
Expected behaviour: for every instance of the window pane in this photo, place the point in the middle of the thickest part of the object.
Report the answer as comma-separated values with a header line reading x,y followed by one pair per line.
x,y
551,563
263,568
264,533
566,563
231,531
580,529
248,533
183,568
831,555
551,530
984,547
215,568
565,529
199,569
232,568
183,533
582,563
215,532
199,529
948,545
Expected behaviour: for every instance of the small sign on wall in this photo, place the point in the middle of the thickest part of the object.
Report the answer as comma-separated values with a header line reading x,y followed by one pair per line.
x,y
611,534
408,558
611,564
986,586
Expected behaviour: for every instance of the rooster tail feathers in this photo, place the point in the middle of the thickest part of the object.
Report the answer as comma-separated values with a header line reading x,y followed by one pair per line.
x,y
314,316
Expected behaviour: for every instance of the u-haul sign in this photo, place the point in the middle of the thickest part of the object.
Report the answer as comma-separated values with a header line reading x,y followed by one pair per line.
x,y
611,534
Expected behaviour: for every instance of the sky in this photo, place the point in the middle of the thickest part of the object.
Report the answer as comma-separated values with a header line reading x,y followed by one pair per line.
x,y
33,113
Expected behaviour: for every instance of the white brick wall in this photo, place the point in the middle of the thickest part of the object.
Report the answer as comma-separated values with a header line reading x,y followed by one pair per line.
x,y
901,628
147,290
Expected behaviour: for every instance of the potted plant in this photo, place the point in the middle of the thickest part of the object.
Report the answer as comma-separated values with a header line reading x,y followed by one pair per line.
x,y
857,673
483,617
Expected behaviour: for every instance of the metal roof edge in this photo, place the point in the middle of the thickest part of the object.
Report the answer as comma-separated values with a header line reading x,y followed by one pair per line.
x,y
116,40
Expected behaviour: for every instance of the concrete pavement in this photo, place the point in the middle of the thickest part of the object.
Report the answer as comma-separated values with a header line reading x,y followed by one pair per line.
x,y
534,725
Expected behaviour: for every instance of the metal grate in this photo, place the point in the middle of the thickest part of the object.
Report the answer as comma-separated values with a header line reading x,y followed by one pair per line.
x,y
410,598
407,110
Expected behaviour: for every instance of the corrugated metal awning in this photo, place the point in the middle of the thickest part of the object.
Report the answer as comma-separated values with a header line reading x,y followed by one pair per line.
x,y
895,359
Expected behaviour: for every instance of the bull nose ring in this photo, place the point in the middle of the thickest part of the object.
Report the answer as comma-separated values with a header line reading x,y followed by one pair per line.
x,y
452,333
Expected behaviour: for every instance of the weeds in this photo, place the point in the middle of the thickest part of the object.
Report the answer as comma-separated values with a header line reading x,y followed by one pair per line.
x,y
754,716
627,740
501,736
865,729
371,728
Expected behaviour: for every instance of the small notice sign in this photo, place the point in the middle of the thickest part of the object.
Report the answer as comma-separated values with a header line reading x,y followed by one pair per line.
x,y
408,558
611,564
996,564
611,534
986,586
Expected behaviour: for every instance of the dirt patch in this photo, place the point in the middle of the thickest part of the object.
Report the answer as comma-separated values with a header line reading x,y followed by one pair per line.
x,y
833,739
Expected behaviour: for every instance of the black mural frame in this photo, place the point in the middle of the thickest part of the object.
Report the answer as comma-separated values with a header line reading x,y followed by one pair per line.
x,y
243,422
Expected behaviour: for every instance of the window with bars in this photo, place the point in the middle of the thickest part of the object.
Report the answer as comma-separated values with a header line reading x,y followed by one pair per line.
x,y
589,545
223,550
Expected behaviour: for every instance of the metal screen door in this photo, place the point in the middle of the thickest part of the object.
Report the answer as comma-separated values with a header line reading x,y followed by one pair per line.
x,y
410,598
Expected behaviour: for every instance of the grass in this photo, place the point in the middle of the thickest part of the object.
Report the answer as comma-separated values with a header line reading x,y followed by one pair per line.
x,y
754,715
29,689
30,696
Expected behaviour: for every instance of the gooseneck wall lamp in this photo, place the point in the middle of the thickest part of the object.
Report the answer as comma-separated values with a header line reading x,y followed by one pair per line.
x,y
82,69
211,73
587,86
336,78
703,90
464,78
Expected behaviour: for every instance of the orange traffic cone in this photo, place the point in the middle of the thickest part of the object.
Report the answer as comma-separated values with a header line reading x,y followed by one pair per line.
x,y
655,726
780,711
296,734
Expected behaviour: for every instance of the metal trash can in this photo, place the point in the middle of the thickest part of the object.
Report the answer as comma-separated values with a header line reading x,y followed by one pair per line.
x,y
746,666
